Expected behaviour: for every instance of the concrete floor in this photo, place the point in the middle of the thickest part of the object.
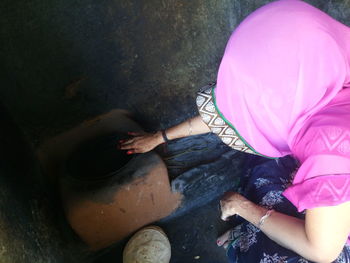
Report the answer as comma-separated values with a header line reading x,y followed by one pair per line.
x,y
203,169
192,237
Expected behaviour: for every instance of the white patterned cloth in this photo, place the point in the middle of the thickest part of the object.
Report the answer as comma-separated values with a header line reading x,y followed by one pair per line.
x,y
216,122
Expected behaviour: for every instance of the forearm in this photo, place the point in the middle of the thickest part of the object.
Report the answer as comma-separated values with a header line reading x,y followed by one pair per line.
x,y
189,127
145,142
285,230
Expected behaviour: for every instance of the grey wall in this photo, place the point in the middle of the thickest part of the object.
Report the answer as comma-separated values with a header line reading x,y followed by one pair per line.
x,y
32,228
66,61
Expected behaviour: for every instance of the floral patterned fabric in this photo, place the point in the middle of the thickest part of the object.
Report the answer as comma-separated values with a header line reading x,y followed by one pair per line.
x,y
264,185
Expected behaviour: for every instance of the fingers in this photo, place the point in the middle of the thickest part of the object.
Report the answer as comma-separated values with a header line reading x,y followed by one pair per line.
x,y
140,142
130,146
126,144
223,239
136,133
224,216
227,205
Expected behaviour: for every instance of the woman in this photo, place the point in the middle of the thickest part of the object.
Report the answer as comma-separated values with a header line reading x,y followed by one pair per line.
x,y
282,89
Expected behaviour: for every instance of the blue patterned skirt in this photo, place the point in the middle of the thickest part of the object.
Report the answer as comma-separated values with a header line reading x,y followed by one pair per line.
x,y
264,185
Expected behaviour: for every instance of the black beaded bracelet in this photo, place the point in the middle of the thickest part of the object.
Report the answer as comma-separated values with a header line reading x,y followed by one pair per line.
x,y
166,140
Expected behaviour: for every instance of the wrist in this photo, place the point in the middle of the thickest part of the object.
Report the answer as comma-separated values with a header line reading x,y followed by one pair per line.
x,y
243,207
159,137
248,209
264,217
253,213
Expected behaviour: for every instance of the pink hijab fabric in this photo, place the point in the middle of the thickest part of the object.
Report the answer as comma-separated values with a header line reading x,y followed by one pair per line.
x,y
283,84
283,63
323,148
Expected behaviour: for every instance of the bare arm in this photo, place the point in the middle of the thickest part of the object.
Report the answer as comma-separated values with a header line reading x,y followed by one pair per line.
x,y
146,142
319,238
192,126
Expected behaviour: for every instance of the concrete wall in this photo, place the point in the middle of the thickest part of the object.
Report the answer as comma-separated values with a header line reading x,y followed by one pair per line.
x,y
67,61
32,228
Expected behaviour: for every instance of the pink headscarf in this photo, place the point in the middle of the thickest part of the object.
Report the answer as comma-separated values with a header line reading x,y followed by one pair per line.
x,y
284,63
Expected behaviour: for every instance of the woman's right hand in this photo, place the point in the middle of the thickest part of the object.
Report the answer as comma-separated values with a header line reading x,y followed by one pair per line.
x,y
231,203
141,142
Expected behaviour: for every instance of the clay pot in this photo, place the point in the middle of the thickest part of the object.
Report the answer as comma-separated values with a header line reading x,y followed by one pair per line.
x,y
108,194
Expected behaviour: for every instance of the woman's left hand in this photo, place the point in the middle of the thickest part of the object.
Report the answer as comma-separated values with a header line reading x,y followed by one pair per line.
x,y
230,204
141,142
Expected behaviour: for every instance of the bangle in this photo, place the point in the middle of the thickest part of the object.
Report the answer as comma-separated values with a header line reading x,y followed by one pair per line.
x,y
164,136
190,128
263,218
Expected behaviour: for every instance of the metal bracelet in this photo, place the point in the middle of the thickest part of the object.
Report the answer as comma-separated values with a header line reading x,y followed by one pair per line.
x,y
263,218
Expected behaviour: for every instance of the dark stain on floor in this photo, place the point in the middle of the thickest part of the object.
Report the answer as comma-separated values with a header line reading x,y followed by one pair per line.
x,y
203,169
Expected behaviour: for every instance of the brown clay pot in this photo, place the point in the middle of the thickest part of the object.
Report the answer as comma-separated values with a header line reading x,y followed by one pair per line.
x,y
107,194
